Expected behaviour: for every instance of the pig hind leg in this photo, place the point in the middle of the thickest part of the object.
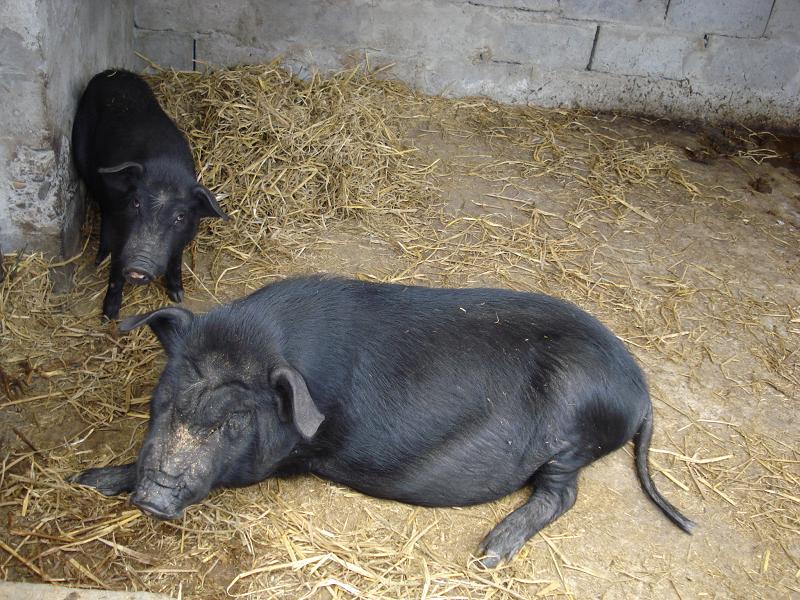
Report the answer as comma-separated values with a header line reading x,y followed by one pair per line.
x,y
109,481
555,486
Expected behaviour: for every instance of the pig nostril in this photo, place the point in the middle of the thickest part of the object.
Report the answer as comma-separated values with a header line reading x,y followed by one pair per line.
x,y
137,276
152,509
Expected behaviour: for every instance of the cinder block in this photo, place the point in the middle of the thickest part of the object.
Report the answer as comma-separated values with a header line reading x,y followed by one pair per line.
x,y
639,12
608,92
546,45
532,5
218,49
679,99
643,52
19,58
261,22
784,21
436,31
169,49
743,18
453,77
22,111
185,15
746,66
25,18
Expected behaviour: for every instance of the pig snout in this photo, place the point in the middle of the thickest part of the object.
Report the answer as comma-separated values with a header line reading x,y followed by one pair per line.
x,y
137,275
160,495
139,269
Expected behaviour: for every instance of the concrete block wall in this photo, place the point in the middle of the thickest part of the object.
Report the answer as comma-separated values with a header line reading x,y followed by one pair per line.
x,y
718,60
49,49
711,59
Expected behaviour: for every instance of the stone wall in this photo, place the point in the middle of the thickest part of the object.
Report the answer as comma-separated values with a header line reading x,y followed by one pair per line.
x,y
50,49
717,60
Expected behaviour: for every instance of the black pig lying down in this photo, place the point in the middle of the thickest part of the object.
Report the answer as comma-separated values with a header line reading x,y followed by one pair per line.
x,y
437,397
138,167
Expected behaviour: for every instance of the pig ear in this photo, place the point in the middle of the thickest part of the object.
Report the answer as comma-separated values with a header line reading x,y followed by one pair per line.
x,y
129,168
208,204
167,323
294,401
123,175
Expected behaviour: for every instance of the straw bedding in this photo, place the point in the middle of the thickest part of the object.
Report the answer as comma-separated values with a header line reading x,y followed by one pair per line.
x,y
353,173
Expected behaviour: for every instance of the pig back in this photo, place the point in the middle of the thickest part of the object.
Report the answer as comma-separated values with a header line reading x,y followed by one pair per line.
x,y
120,120
449,396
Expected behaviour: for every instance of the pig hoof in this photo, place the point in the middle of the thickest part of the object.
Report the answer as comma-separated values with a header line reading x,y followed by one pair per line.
x,y
489,561
176,295
109,481
502,543
97,480
106,318
111,308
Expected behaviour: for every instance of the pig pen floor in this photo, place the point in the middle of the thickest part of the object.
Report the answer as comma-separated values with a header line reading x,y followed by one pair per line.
x,y
683,240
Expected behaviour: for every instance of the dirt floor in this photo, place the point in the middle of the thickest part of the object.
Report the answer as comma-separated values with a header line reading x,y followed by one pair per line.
x,y
684,240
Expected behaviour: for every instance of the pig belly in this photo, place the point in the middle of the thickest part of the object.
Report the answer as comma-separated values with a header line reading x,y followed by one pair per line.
x,y
466,469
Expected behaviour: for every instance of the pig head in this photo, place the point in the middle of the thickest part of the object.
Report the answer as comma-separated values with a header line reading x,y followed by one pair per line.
x,y
221,415
154,214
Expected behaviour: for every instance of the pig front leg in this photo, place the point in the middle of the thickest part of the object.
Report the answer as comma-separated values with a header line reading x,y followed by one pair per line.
x,y
172,278
105,241
113,299
109,481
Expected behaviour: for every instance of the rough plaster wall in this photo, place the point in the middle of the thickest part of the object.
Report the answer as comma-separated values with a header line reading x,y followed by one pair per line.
x,y
713,59
50,49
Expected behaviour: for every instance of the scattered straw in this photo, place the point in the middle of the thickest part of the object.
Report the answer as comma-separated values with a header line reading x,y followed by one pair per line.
x,y
351,173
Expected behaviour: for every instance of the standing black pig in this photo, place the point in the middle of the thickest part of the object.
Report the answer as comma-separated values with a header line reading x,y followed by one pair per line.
x,y
138,167
436,397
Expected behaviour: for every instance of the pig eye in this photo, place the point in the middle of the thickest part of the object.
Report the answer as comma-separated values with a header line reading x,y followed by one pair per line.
x,y
236,422
179,217
136,203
